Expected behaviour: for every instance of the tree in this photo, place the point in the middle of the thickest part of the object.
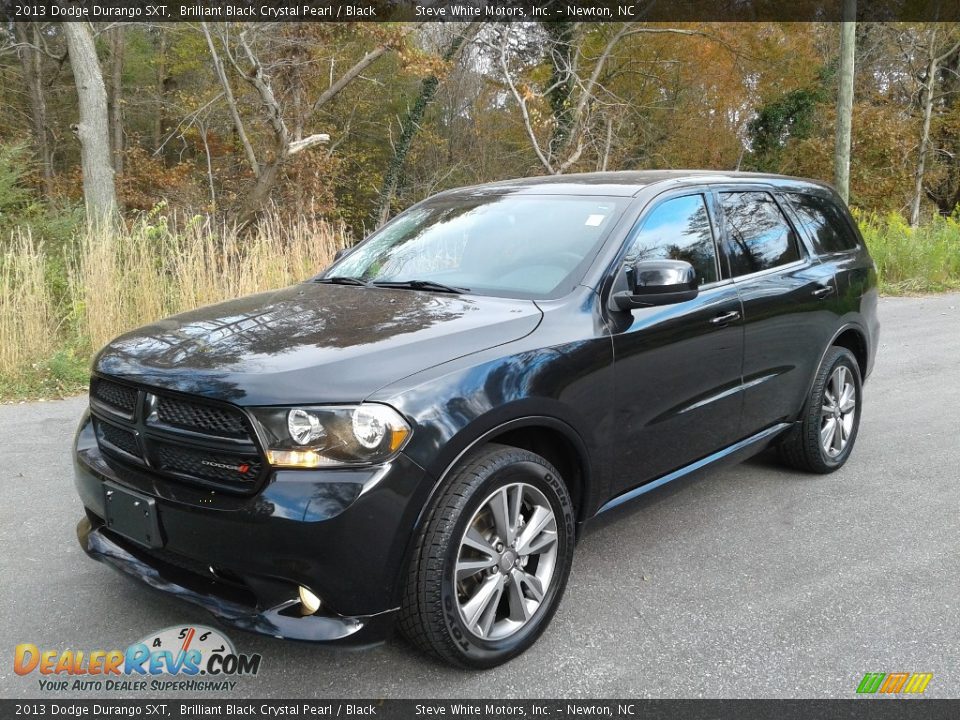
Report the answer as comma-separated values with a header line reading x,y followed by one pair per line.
x,y
841,154
93,130
935,57
411,123
31,63
274,107
791,116
577,89
116,41
947,192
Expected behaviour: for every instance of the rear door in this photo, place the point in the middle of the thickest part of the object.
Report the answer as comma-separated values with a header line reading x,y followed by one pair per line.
x,y
788,299
677,367
834,240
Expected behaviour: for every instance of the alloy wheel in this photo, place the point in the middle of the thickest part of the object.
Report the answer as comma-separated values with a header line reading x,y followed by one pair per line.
x,y
506,561
838,412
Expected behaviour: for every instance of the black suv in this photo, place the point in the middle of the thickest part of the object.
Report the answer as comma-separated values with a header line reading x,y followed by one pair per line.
x,y
415,437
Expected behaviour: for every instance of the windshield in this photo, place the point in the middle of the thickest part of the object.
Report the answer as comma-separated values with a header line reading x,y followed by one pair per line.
x,y
533,246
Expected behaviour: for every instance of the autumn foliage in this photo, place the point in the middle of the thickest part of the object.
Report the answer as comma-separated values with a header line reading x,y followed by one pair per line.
x,y
263,147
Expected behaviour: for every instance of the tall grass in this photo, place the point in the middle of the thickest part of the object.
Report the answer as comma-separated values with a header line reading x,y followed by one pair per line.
x,y
120,279
913,260
28,323
58,307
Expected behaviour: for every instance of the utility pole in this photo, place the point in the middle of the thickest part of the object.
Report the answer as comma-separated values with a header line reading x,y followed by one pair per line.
x,y
841,154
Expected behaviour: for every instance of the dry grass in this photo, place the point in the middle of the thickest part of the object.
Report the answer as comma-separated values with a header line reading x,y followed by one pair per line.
x,y
118,280
121,281
28,323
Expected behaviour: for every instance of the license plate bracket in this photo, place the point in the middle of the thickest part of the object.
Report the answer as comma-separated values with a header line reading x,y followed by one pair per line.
x,y
132,515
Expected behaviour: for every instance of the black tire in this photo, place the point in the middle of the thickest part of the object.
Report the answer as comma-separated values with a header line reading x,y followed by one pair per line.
x,y
802,447
430,618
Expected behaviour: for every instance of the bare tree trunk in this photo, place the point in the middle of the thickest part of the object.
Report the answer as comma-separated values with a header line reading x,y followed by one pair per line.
x,y
231,103
929,86
256,201
563,80
949,196
117,42
93,130
841,154
411,124
924,138
161,65
285,146
31,63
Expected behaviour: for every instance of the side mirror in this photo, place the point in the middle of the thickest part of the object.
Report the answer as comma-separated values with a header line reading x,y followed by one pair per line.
x,y
340,253
653,282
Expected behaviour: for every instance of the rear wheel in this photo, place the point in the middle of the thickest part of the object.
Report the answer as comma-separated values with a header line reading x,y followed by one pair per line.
x,y
492,562
825,435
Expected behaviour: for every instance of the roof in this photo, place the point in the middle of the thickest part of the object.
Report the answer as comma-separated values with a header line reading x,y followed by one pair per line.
x,y
629,182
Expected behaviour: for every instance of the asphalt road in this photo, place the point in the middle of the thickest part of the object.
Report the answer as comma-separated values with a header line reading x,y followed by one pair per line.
x,y
754,582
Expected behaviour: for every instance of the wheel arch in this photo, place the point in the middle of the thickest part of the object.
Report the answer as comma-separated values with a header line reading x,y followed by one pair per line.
x,y
853,339
850,336
552,438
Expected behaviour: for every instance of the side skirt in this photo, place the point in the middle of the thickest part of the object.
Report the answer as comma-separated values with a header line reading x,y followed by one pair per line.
x,y
730,454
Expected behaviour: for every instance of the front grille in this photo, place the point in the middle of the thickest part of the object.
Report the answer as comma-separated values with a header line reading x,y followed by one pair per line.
x,y
201,418
217,467
182,438
119,438
117,396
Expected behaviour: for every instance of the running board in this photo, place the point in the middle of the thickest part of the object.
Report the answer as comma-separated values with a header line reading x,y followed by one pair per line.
x,y
744,444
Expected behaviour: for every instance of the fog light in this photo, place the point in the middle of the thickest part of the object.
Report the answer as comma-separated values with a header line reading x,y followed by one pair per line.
x,y
310,602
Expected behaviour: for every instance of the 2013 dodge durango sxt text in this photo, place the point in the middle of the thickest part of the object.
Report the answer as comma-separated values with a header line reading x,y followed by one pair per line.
x,y
414,437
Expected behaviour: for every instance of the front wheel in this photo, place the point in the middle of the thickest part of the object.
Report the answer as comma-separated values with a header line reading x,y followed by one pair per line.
x,y
491,564
824,437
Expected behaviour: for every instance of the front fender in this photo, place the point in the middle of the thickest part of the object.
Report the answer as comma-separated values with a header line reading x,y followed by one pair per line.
x,y
567,389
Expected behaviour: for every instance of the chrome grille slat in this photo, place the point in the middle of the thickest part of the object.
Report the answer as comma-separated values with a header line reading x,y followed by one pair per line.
x,y
177,437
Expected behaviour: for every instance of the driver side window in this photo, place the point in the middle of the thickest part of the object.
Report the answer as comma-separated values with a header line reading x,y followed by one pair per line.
x,y
678,229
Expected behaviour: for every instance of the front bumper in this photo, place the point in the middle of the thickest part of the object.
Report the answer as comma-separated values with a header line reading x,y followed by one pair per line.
x,y
343,534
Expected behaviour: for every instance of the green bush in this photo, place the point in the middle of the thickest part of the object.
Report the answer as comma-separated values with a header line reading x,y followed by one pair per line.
x,y
22,206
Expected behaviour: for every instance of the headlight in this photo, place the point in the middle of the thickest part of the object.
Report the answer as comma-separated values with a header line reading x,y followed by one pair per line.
x,y
326,436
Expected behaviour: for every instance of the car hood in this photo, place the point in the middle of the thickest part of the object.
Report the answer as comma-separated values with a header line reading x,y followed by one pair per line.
x,y
312,343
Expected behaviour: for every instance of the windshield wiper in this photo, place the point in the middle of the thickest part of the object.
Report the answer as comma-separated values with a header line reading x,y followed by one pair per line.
x,y
420,285
342,280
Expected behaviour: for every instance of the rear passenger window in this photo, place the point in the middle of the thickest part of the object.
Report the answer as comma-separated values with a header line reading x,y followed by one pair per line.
x,y
678,229
823,221
759,236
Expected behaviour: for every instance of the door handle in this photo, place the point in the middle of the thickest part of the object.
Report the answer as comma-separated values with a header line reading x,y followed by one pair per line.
x,y
727,317
822,291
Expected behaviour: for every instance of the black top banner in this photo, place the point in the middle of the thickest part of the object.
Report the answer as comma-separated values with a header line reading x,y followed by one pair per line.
x,y
474,10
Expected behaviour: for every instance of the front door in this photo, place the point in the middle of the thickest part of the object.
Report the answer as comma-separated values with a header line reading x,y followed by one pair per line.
x,y
677,368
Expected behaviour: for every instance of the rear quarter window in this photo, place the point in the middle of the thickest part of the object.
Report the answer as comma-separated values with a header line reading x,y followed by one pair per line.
x,y
824,223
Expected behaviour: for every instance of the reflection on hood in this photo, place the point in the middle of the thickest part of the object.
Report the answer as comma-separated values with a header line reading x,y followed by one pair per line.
x,y
313,342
